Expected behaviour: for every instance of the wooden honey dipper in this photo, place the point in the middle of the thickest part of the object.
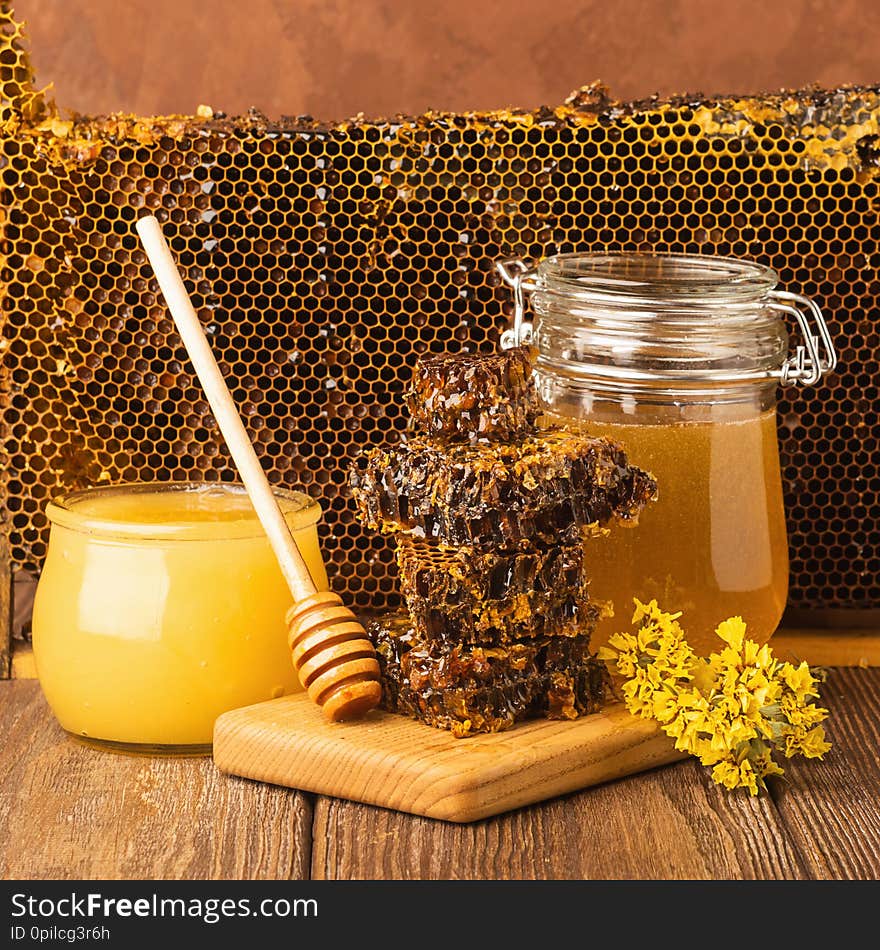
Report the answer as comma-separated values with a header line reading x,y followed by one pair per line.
x,y
333,657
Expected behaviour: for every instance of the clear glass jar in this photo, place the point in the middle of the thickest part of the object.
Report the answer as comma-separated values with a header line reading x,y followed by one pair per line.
x,y
678,358
161,606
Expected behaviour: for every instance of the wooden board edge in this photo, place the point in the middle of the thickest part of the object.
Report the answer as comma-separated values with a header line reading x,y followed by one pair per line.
x,y
614,745
637,749
552,768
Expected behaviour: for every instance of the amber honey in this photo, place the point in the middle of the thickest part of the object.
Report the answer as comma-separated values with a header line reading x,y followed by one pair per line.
x,y
680,358
714,543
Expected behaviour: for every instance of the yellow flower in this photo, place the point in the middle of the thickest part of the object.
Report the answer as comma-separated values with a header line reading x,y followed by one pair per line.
x,y
730,710
732,775
762,759
811,745
801,714
764,659
727,774
799,680
732,631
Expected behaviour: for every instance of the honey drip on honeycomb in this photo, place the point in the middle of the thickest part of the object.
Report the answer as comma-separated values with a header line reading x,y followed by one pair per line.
x,y
323,258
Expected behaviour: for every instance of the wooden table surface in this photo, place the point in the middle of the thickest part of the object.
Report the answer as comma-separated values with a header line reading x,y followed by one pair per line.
x,y
67,811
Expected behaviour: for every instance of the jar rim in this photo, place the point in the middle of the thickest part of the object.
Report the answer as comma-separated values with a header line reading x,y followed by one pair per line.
x,y
61,511
628,276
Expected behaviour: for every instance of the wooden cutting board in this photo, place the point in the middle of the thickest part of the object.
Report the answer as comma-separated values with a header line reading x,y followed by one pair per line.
x,y
399,763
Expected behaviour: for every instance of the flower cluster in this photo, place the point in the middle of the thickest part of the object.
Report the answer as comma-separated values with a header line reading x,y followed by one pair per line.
x,y
732,710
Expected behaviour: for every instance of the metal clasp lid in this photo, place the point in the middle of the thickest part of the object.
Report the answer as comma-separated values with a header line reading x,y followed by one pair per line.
x,y
812,359
514,273
808,365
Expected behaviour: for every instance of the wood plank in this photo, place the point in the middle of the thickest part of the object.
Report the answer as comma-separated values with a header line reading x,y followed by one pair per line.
x,y
69,811
828,647
23,665
5,608
399,763
24,589
670,823
831,809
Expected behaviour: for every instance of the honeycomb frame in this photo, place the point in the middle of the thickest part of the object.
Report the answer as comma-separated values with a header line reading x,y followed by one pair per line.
x,y
324,257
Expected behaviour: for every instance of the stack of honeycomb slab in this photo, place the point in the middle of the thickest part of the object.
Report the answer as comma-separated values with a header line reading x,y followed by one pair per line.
x,y
490,515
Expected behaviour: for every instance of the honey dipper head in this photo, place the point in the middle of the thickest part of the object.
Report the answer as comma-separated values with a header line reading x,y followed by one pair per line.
x,y
353,701
469,397
335,661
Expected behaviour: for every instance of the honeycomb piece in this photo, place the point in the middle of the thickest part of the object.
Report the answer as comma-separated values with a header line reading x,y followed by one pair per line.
x,y
551,487
469,397
490,597
429,664
517,619
564,694
432,574
477,690
325,257
440,575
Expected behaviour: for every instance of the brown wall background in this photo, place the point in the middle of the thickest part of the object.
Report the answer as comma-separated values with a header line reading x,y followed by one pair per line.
x,y
334,58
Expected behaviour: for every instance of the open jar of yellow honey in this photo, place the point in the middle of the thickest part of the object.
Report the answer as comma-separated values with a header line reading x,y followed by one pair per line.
x,y
161,606
678,358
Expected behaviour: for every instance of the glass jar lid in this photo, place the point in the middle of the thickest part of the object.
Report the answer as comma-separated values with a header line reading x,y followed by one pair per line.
x,y
665,320
658,281
179,511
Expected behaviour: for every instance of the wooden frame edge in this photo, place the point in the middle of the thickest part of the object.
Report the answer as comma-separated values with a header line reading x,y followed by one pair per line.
x,y
828,647
6,608
823,647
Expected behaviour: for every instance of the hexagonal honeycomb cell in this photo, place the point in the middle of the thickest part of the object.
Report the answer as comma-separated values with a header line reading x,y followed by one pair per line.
x,y
324,258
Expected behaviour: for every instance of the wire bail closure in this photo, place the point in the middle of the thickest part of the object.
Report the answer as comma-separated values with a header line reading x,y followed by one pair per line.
x,y
811,360
808,365
514,272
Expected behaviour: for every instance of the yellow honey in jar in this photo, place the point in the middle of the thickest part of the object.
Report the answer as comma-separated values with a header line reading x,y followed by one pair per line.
x,y
714,543
161,606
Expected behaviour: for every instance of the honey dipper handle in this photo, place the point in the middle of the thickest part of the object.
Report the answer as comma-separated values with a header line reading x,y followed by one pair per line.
x,y
293,567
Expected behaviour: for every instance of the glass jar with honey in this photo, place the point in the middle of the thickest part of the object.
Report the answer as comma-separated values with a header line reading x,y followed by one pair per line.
x,y
161,606
678,358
